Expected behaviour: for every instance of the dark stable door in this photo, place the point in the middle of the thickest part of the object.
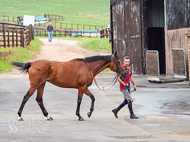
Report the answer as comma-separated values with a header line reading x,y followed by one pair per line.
x,y
156,41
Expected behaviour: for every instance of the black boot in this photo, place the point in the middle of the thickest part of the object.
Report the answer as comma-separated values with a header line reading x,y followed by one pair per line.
x,y
132,115
115,111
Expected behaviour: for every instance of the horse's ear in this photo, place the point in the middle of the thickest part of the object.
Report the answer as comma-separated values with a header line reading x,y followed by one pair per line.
x,y
116,53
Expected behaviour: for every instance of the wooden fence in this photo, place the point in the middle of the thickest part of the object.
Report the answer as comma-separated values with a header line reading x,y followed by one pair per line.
x,y
61,33
8,18
56,24
104,33
14,37
54,17
71,26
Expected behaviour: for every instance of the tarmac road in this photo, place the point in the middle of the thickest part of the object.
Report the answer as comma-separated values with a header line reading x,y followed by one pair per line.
x,y
163,110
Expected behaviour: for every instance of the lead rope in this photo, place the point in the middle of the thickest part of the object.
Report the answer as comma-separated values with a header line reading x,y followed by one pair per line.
x,y
103,87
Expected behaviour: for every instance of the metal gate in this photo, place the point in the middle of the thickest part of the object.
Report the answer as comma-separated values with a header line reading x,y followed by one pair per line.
x,y
152,64
126,25
179,63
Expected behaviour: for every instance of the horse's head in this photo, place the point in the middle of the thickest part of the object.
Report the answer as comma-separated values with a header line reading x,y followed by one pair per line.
x,y
116,65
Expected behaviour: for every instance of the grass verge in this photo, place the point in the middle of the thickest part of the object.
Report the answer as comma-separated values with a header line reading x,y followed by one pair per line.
x,y
19,54
96,45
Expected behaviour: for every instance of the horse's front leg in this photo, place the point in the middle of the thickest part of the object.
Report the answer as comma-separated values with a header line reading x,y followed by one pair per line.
x,y
88,93
81,91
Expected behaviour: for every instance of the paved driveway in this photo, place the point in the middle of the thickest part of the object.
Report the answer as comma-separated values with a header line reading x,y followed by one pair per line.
x,y
163,110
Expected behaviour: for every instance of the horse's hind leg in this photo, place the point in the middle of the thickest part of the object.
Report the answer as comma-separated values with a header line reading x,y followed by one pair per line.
x,y
25,99
39,100
88,93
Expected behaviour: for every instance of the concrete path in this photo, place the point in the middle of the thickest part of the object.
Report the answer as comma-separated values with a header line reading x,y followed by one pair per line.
x,y
163,110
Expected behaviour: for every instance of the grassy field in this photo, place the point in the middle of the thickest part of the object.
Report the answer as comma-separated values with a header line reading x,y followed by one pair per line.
x,y
74,11
19,55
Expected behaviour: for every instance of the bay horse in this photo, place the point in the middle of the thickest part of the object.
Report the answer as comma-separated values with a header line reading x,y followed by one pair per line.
x,y
72,74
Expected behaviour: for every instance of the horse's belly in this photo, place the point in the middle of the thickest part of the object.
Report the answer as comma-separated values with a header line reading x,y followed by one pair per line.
x,y
64,83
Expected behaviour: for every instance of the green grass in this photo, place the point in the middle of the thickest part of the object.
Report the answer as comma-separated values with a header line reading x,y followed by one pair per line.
x,y
74,11
19,54
96,45
35,46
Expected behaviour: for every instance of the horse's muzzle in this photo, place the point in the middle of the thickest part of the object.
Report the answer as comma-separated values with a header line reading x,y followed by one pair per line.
x,y
123,74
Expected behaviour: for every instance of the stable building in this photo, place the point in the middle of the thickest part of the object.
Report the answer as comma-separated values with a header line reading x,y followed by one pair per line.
x,y
137,26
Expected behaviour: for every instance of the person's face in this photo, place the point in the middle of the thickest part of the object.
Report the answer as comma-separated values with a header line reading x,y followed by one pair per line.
x,y
126,62
49,24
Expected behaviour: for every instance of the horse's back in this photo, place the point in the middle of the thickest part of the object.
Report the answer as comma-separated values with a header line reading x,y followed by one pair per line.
x,y
69,74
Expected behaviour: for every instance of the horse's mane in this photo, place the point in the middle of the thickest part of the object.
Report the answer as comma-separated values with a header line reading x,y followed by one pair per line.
x,y
96,58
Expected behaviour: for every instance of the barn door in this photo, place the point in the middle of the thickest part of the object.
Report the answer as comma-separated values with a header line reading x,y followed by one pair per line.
x,y
127,32
118,29
133,34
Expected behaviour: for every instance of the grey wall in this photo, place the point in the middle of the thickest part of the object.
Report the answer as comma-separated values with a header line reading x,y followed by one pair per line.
x,y
177,14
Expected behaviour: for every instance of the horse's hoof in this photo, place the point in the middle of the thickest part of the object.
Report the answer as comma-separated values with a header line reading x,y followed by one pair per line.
x,y
81,119
89,114
49,118
20,119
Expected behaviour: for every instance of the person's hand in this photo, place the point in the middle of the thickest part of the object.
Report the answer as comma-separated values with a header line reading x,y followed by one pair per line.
x,y
135,87
125,84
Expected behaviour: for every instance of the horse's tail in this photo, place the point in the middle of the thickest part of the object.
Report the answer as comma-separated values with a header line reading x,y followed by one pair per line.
x,y
22,66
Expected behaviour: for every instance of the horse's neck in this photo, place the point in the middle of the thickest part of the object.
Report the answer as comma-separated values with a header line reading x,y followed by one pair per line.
x,y
98,66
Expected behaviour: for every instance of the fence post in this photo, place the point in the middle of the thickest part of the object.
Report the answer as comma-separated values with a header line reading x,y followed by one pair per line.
x,y
4,38
3,26
71,26
106,33
30,32
8,39
13,38
17,38
22,38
